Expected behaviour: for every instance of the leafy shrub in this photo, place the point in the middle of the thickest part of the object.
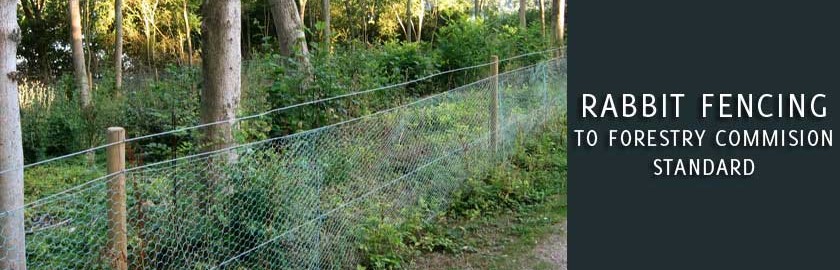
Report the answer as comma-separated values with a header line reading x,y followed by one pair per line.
x,y
464,43
407,62
535,171
54,123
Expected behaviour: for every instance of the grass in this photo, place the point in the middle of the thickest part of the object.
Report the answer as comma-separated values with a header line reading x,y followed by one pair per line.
x,y
42,181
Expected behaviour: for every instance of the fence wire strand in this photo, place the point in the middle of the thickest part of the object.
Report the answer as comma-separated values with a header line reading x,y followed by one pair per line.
x,y
275,110
301,201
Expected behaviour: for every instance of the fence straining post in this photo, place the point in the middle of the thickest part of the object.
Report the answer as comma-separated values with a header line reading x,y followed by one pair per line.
x,y
117,238
494,105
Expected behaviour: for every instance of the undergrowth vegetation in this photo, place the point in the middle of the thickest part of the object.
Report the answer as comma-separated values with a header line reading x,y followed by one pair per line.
x,y
369,181
535,173
54,124
370,193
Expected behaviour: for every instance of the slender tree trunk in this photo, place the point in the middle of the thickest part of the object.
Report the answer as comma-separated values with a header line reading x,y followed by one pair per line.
x,y
364,22
11,145
80,70
523,6
476,8
542,17
302,9
559,20
188,30
420,18
327,31
87,35
400,22
79,54
409,21
435,16
118,51
222,64
290,31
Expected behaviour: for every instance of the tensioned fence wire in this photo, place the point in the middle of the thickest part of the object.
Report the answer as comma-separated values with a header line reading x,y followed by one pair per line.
x,y
305,200
102,147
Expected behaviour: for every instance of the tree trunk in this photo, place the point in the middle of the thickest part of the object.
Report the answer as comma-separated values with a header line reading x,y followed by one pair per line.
x,y
476,8
327,31
79,54
523,5
188,31
400,22
11,145
409,22
542,18
420,18
290,31
118,51
302,9
559,20
222,63
86,34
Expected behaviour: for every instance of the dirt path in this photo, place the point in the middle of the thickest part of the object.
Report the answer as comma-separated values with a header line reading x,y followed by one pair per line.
x,y
553,249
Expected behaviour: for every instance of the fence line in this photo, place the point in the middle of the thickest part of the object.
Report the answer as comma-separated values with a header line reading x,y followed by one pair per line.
x,y
302,133
275,110
304,200
363,196
227,149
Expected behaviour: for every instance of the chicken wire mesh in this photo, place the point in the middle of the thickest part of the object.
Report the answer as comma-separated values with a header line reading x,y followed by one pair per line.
x,y
302,201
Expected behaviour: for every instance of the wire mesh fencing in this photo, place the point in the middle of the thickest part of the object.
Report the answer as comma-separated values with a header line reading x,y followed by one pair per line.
x,y
302,201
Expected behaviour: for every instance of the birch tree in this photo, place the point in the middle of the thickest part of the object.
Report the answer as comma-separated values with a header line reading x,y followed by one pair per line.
x,y
11,145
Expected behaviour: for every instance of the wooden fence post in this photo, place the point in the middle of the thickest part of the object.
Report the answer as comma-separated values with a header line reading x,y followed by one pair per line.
x,y
494,104
117,238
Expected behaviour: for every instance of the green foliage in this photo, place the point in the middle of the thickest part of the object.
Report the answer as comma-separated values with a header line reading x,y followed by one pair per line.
x,y
464,42
388,243
167,103
41,44
47,180
384,243
49,120
348,69
162,99
407,62
536,172
54,122
161,95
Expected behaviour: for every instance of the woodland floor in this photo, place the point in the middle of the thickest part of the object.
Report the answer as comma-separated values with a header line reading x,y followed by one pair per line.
x,y
532,237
